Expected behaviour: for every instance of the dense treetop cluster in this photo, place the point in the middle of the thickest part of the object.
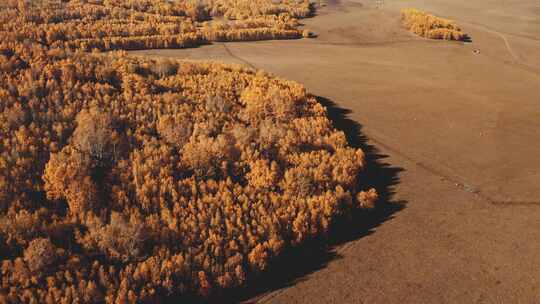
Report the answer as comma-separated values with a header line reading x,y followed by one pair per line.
x,y
146,24
125,179
429,26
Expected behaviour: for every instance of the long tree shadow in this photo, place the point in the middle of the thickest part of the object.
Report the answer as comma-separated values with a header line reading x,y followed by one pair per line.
x,y
376,174
295,264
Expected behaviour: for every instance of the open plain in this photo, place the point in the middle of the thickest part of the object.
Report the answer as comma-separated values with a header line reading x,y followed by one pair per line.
x,y
452,134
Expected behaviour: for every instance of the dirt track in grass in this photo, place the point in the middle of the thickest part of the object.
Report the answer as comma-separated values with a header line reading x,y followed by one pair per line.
x,y
452,135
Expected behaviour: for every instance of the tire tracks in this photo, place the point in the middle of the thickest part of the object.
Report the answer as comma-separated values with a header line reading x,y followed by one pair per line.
x,y
516,58
451,178
230,53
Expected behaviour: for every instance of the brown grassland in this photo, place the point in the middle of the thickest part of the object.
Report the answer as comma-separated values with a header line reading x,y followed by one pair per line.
x,y
126,179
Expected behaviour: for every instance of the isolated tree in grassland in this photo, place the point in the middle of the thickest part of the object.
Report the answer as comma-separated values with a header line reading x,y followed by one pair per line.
x,y
367,199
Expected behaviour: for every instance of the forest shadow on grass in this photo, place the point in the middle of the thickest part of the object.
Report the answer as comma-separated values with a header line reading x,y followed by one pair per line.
x,y
295,264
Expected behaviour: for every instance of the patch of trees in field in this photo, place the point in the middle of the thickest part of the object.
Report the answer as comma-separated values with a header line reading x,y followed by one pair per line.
x,y
125,179
129,24
429,26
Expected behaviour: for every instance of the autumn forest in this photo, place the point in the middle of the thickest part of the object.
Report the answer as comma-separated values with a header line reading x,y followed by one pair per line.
x,y
126,180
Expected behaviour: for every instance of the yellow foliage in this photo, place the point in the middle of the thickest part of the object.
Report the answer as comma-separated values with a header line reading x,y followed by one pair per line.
x,y
145,178
40,254
429,26
367,199
263,174
151,24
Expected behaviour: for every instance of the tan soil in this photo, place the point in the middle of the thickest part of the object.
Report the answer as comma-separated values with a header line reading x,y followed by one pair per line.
x,y
461,132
